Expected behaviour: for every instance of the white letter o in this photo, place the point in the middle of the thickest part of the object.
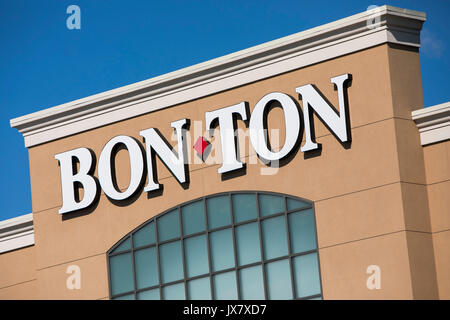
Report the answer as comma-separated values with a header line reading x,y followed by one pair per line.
x,y
258,135
136,163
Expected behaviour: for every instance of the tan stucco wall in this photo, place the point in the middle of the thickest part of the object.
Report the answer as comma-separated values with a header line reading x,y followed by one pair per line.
x,y
437,167
18,274
371,200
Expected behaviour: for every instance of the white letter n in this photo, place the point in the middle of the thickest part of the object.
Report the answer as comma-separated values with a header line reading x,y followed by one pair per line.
x,y
337,123
176,162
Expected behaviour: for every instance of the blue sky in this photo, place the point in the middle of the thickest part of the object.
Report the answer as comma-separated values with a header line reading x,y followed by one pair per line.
x,y
44,64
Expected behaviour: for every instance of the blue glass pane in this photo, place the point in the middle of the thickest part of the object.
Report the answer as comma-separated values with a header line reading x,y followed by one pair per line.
x,y
145,236
121,273
306,275
149,295
169,226
302,230
196,254
146,267
293,204
225,286
317,298
125,245
222,252
270,204
248,245
278,276
174,292
199,289
127,297
219,213
244,207
275,242
251,285
193,216
171,262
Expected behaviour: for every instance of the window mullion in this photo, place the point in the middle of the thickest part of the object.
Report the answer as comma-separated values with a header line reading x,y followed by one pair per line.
x,y
236,271
266,296
133,266
158,260
291,268
209,250
183,255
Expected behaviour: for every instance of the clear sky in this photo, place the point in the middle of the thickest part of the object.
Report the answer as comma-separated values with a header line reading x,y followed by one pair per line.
x,y
44,64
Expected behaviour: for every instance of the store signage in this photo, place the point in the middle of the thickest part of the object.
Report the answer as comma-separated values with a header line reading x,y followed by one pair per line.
x,y
143,160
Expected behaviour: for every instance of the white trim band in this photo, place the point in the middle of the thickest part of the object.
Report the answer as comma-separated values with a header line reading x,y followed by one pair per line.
x,y
351,34
16,233
433,123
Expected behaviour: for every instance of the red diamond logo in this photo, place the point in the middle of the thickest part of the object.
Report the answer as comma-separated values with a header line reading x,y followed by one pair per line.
x,y
201,146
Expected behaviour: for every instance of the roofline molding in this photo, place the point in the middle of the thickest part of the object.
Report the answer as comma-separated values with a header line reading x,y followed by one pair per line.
x,y
344,36
16,233
433,123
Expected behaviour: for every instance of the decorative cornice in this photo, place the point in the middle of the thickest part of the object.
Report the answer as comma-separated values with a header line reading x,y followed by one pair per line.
x,y
380,25
16,233
433,123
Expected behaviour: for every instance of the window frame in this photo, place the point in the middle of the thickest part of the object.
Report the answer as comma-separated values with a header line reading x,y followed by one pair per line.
x,y
290,256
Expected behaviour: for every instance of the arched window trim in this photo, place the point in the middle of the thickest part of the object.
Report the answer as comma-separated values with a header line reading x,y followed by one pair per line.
x,y
233,225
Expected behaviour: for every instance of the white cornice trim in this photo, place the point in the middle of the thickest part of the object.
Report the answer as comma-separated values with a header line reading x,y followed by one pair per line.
x,y
351,34
16,233
433,123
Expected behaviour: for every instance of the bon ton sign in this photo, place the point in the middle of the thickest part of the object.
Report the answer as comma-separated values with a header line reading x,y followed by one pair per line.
x,y
77,166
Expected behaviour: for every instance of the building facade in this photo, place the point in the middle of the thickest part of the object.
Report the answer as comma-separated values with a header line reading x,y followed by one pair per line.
x,y
303,168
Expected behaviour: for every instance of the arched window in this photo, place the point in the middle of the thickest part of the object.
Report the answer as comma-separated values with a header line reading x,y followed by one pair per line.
x,y
236,245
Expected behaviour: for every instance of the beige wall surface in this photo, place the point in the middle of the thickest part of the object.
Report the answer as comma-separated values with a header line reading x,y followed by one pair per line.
x,y
371,200
437,168
441,243
18,274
